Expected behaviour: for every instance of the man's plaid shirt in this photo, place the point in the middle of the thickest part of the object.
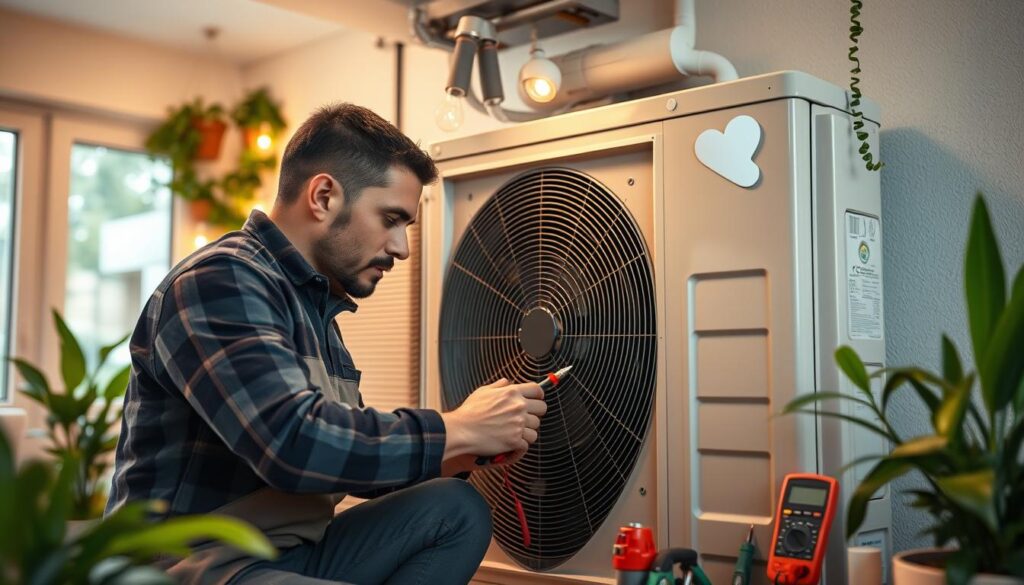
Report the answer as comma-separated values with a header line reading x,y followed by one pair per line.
x,y
221,401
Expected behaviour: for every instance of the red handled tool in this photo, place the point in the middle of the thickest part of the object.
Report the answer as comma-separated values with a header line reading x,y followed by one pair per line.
x,y
546,384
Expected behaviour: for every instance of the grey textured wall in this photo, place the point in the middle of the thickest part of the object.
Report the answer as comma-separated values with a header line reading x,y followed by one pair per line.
x,y
949,76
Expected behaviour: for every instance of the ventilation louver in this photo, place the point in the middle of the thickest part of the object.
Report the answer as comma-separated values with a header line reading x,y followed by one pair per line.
x,y
553,271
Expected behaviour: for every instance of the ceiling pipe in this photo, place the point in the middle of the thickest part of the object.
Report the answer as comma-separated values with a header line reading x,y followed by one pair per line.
x,y
601,70
652,59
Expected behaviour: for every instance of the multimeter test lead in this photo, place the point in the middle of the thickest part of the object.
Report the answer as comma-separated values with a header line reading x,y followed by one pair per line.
x,y
546,384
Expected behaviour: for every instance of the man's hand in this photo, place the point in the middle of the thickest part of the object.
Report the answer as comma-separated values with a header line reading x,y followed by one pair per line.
x,y
496,418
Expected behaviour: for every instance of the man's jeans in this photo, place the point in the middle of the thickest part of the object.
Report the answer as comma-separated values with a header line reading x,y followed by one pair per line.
x,y
434,533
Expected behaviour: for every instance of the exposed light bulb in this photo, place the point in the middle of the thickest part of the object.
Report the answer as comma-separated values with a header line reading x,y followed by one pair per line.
x,y
449,114
264,141
539,79
540,89
200,241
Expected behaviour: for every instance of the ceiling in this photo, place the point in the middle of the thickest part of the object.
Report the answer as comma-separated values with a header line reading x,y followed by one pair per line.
x,y
249,30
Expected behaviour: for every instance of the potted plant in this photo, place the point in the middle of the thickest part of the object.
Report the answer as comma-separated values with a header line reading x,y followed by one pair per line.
x,y
972,461
260,120
80,420
224,201
35,503
192,131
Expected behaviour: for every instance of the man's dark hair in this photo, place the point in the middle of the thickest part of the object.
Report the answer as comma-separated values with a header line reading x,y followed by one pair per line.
x,y
355,146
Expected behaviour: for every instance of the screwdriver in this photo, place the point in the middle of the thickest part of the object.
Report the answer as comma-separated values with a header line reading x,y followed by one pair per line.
x,y
546,384
741,574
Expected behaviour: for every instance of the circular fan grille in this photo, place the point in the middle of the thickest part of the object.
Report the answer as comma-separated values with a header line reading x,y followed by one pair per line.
x,y
553,271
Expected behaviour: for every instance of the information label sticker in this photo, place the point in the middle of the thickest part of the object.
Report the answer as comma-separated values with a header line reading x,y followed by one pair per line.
x,y
863,276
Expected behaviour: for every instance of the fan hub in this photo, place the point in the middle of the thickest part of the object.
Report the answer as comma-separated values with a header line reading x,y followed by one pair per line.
x,y
538,332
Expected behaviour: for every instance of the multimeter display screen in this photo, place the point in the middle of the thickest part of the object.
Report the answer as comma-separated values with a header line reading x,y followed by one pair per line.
x,y
807,496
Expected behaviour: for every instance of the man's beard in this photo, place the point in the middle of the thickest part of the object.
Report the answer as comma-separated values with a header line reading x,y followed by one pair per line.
x,y
327,251
353,287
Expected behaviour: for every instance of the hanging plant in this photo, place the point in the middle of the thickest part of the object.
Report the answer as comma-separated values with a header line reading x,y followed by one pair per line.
x,y
181,138
858,117
258,116
192,131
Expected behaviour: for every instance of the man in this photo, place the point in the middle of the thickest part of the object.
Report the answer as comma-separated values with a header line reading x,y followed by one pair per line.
x,y
243,399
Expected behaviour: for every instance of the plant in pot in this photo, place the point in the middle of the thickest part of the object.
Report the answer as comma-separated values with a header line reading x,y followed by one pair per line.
x,y
973,461
191,132
260,120
35,503
80,420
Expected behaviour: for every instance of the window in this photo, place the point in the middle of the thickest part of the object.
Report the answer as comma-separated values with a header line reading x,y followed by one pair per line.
x,y
118,244
8,156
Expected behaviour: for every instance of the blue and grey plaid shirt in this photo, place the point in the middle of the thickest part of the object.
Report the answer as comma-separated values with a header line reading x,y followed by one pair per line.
x,y
227,392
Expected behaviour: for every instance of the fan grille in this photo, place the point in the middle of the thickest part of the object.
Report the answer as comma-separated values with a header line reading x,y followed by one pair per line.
x,y
553,271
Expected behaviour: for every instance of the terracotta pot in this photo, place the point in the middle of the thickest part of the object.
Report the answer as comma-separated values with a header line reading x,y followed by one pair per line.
x,y
249,136
200,210
926,567
212,132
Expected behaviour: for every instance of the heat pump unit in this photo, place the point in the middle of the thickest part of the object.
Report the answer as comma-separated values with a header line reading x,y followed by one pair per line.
x,y
697,257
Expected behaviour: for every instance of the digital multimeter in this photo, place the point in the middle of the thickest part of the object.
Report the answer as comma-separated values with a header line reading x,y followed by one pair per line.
x,y
802,522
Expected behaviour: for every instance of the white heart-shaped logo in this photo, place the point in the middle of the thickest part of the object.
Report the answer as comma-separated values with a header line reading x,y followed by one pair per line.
x,y
731,154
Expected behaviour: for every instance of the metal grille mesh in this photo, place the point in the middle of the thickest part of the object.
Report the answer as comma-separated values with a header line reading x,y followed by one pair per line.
x,y
553,271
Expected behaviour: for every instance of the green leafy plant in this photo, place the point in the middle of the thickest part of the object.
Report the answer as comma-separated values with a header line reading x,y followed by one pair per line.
x,y
256,109
36,502
179,136
973,461
218,201
855,95
80,420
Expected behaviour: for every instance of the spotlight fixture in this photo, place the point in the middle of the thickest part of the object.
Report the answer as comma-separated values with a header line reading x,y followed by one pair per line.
x,y
474,35
539,79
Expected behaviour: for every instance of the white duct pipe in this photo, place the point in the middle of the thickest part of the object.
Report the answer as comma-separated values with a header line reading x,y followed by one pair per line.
x,y
650,60
686,19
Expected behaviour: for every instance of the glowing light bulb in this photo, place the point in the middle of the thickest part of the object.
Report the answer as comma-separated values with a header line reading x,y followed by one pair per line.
x,y
200,241
264,142
539,79
449,114
540,89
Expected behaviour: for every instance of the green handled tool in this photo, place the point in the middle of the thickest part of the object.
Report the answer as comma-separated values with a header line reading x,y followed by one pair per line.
x,y
741,574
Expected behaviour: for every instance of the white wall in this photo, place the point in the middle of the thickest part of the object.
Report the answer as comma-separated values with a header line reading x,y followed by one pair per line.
x,y
51,63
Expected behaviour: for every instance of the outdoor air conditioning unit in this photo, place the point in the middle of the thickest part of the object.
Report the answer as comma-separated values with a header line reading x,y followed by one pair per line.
x,y
696,257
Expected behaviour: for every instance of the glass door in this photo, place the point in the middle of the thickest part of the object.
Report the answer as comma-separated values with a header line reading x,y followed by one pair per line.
x,y
111,220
